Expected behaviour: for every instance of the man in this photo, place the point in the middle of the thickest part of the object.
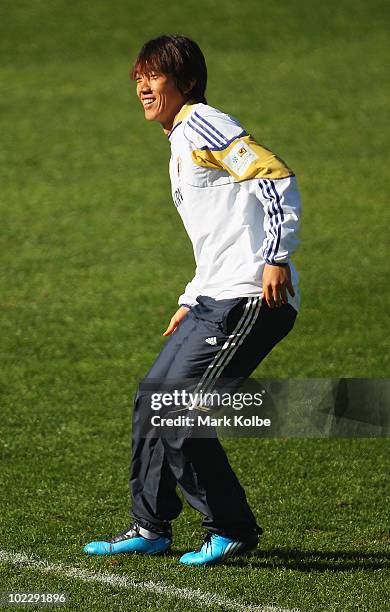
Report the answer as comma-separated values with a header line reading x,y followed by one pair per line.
x,y
240,206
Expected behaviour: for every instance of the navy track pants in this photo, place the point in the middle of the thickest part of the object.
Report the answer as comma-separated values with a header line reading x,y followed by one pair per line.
x,y
244,331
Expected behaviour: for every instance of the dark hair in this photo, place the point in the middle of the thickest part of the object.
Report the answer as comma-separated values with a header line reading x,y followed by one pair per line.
x,y
176,55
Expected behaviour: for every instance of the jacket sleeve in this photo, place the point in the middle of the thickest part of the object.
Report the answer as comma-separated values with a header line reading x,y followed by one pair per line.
x,y
191,291
282,209
241,156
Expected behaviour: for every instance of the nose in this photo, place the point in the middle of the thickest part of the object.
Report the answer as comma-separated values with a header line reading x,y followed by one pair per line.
x,y
143,84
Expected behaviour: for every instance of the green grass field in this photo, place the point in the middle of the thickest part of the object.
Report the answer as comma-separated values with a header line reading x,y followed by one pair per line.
x,y
94,257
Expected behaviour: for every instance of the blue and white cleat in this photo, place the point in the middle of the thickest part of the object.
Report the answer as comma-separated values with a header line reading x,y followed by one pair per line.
x,y
217,548
129,541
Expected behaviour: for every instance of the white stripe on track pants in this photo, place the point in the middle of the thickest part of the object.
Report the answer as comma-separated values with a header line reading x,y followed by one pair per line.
x,y
242,332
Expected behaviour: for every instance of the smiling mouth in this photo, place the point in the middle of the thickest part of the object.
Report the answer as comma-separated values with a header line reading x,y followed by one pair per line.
x,y
147,102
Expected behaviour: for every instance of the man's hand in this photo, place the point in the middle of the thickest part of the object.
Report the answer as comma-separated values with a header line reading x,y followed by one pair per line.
x,y
176,320
276,283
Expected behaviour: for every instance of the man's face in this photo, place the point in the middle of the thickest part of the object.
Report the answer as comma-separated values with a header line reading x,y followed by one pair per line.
x,y
160,98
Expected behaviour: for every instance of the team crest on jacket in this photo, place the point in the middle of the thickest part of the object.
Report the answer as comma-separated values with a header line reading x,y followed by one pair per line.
x,y
178,197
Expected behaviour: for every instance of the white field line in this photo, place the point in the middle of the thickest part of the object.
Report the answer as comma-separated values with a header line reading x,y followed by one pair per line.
x,y
195,596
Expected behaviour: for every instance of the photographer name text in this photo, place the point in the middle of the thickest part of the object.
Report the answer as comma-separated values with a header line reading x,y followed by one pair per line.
x,y
209,421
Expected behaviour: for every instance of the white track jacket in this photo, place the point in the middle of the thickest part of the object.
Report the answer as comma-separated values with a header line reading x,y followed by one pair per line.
x,y
238,201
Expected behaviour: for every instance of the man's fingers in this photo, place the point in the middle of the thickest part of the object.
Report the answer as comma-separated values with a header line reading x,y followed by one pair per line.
x,y
170,330
276,283
283,294
276,295
290,288
171,327
176,320
269,297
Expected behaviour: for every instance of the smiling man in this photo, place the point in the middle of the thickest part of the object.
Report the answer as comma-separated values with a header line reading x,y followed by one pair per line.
x,y
240,206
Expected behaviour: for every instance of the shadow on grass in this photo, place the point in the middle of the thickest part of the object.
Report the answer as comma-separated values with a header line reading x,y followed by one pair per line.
x,y
307,560
293,559
314,560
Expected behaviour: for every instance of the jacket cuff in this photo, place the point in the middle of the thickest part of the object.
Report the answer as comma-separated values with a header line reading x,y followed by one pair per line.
x,y
276,263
